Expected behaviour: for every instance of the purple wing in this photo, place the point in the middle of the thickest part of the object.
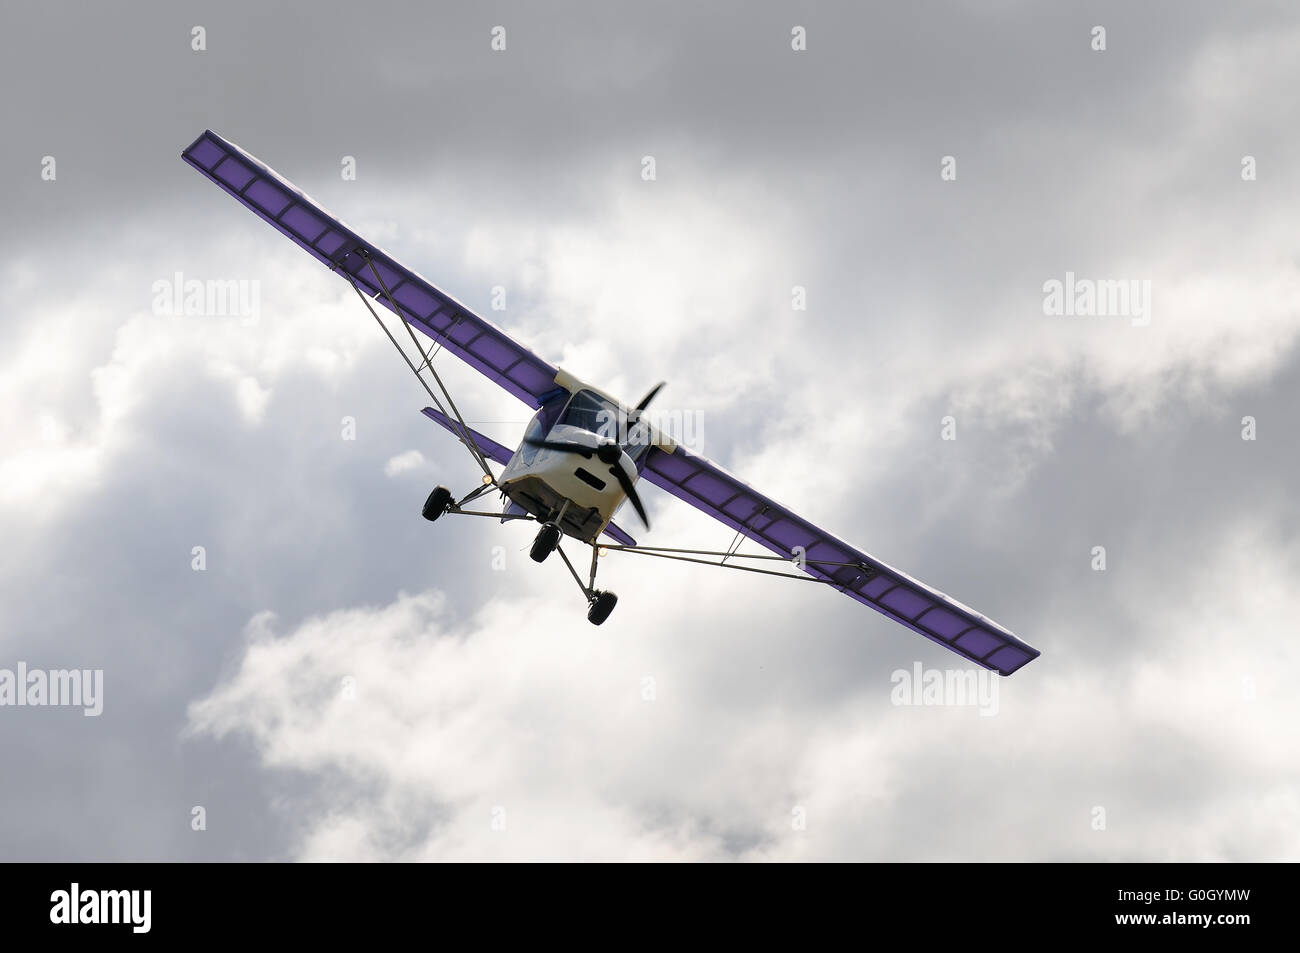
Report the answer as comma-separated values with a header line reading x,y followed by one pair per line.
x,y
478,342
922,609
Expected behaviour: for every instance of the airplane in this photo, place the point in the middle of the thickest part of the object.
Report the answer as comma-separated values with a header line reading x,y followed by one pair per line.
x,y
584,451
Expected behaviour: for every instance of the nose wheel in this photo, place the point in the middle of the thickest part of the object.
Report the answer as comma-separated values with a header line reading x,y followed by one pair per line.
x,y
548,539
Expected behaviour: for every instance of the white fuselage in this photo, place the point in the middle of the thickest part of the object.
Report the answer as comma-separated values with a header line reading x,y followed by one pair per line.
x,y
541,480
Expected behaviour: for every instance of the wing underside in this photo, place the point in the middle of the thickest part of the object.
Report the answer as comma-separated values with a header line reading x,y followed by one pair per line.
x,y
326,238
858,575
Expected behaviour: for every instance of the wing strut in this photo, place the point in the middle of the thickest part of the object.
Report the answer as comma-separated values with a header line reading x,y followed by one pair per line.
x,y
466,439
428,362
689,556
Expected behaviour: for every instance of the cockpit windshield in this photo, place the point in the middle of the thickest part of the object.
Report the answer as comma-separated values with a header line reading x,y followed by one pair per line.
x,y
589,411
592,412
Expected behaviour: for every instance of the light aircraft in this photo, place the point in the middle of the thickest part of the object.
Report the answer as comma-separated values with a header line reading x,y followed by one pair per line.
x,y
584,451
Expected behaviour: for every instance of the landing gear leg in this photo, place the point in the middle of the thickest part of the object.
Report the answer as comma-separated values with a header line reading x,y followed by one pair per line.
x,y
599,603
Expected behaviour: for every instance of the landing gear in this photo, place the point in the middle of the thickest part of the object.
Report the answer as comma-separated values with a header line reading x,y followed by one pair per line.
x,y
602,604
439,502
442,501
548,538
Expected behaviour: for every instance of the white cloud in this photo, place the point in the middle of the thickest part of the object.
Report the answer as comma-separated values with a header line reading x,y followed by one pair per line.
x,y
526,710
411,460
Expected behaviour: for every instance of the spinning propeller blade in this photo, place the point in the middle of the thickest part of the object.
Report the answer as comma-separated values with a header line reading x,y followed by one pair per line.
x,y
629,488
645,401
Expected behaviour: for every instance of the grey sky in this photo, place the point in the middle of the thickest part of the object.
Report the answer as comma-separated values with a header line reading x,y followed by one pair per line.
x,y
1165,691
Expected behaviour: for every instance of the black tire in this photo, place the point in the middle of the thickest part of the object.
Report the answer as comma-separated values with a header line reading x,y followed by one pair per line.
x,y
601,607
437,503
548,537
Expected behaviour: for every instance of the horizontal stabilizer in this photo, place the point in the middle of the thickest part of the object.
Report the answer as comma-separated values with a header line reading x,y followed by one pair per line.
x,y
620,536
486,445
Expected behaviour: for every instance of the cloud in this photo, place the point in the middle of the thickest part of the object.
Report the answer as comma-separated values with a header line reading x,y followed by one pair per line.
x,y
406,462
428,739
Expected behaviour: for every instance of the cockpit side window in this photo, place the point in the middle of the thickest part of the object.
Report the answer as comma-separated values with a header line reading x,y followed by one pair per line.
x,y
540,426
534,431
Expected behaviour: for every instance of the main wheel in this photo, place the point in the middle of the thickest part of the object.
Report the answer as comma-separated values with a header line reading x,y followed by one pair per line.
x,y
548,537
601,607
437,503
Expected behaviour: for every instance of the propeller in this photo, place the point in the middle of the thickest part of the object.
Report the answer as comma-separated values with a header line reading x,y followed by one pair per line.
x,y
609,453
